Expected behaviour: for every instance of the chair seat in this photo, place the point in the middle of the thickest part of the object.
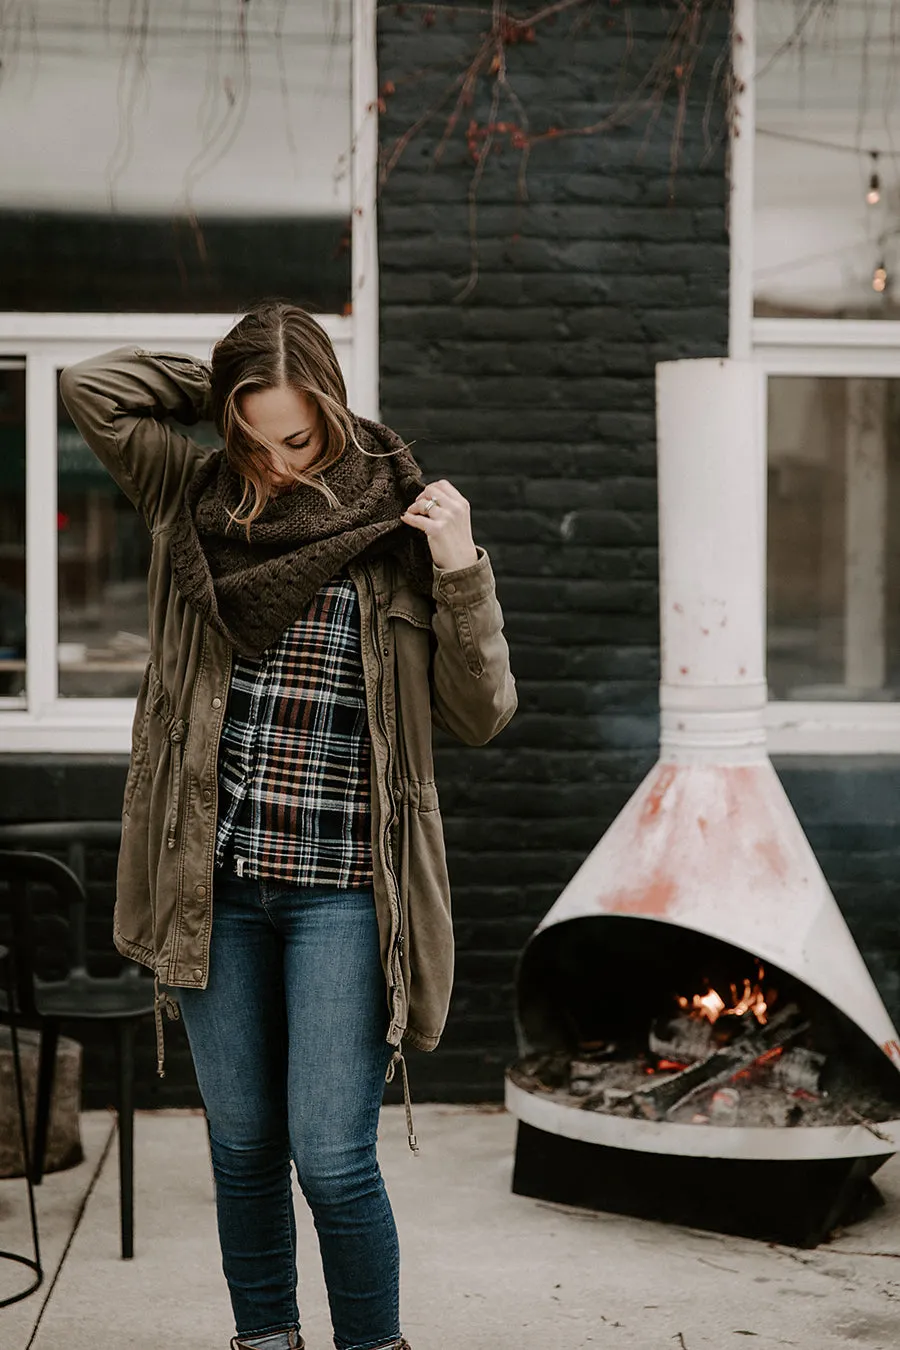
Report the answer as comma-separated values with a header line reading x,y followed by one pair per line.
x,y
92,998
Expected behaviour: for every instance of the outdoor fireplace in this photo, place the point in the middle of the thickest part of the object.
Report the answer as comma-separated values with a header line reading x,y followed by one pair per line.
x,y
699,1038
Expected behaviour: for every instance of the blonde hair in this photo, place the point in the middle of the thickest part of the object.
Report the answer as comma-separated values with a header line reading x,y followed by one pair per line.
x,y
276,345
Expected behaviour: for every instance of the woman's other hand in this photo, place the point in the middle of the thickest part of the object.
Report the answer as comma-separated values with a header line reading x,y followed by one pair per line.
x,y
445,523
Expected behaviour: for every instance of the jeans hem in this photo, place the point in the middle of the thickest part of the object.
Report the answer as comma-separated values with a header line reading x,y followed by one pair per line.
x,y
268,1331
374,1345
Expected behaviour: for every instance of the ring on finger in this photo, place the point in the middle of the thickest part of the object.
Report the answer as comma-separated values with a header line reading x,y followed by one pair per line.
x,y
428,504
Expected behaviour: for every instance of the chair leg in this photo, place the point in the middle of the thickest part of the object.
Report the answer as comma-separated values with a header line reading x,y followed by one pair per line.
x,y
34,1265
46,1074
126,1137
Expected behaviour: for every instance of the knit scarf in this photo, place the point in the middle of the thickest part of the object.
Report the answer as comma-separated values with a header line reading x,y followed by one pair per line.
x,y
251,591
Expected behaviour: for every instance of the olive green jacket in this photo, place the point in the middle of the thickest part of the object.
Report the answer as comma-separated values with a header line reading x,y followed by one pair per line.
x,y
439,660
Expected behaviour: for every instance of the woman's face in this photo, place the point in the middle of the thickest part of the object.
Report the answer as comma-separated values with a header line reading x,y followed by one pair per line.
x,y
290,421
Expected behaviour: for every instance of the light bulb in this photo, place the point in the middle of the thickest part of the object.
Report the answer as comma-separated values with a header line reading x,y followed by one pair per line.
x,y
873,196
879,278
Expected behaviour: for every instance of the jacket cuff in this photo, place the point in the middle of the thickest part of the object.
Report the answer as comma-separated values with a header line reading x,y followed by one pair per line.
x,y
464,585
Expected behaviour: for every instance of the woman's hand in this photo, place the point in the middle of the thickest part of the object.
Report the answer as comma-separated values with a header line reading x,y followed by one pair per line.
x,y
446,525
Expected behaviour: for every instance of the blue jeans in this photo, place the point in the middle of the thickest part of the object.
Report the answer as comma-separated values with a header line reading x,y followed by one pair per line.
x,y
288,1044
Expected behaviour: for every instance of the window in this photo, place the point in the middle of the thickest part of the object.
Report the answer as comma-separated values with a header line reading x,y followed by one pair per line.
x,y
155,184
165,161
818,308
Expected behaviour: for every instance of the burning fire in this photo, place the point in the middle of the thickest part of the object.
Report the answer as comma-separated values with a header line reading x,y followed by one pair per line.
x,y
711,1005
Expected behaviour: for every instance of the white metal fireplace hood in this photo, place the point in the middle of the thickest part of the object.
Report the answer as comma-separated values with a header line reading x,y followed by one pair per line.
x,y
710,841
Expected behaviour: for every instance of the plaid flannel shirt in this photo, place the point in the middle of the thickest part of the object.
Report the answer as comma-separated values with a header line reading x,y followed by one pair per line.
x,y
294,792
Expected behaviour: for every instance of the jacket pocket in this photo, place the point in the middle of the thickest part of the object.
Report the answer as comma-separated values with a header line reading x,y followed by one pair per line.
x,y
412,606
139,761
139,764
427,956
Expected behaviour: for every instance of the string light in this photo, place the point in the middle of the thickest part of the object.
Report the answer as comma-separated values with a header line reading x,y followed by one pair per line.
x,y
880,278
873,196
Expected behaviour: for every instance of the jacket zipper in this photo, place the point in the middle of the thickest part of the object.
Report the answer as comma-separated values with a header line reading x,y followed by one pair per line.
x,y
176,737
393,888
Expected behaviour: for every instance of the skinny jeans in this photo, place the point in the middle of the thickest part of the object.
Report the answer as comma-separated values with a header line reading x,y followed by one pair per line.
x,y
288,1042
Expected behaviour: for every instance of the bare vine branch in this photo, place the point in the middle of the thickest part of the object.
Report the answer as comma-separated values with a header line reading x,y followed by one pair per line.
x,y
669,76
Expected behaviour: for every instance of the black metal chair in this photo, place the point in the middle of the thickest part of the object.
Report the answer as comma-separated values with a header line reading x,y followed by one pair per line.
x,y
78,995
31,1263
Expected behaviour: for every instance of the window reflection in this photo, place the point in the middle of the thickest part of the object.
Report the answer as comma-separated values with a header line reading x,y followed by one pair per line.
x,y
827,98
833,538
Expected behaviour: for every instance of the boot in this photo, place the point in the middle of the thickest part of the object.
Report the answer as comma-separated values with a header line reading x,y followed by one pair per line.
x,y
296,1341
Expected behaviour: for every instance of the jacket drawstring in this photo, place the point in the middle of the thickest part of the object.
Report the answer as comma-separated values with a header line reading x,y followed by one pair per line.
x,y
397,1058
161,1000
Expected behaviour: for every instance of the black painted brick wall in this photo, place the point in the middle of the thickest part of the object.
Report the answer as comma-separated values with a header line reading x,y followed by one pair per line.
x,y
535,396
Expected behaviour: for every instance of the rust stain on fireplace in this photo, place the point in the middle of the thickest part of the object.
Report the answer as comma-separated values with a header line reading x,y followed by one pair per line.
x,y
655,897
771,852
653,804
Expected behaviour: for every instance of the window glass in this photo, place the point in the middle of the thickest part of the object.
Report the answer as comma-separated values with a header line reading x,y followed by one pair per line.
x,y
104,557
12,528
827,118
834,538
180,156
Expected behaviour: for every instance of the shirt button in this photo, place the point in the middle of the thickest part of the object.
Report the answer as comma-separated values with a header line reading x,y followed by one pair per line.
x,y
201,890
217,703
198,974
207,795
450,589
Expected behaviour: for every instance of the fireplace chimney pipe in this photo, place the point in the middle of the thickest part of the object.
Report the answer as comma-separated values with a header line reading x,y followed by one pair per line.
x,y
712,561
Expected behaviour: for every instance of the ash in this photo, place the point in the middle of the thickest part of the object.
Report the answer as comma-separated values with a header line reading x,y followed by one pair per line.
x,y
692,1072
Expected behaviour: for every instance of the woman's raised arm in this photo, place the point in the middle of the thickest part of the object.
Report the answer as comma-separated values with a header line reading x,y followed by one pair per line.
x,y
118,401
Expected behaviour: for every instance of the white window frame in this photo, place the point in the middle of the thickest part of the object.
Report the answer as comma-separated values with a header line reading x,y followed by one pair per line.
x,y
47,342
812,347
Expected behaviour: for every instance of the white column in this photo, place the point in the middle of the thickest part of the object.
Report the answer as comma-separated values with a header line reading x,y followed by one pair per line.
x,y
712,596
866,535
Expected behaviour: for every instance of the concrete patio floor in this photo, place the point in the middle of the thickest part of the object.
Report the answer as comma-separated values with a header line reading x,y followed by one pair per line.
x,y
482,1268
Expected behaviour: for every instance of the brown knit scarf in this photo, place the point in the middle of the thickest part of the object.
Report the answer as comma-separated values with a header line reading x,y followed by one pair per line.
x,y
250,592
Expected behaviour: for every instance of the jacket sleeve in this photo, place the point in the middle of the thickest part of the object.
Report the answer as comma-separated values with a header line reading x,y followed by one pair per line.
x,y
473,689
119,400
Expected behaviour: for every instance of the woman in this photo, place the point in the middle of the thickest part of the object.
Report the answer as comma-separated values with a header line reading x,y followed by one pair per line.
x,y
314,608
